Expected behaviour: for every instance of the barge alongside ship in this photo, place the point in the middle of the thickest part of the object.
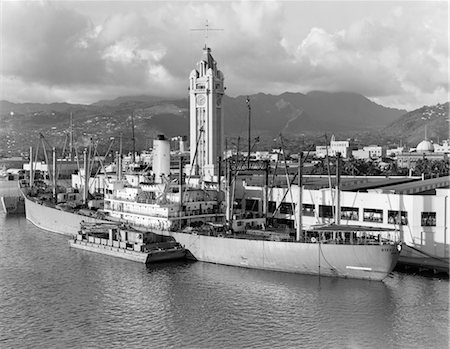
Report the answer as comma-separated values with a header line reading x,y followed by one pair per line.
x,y
126,243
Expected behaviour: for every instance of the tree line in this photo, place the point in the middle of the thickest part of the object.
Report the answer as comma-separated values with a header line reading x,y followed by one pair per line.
x,y
388,167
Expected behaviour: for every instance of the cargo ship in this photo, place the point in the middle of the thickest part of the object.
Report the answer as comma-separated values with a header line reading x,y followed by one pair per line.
x,y
56,208
362,255
61,212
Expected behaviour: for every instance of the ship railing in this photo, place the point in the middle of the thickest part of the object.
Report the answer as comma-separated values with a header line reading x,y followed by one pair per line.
x,y
358,240
169,215
248,216
138,200
156,215
209,211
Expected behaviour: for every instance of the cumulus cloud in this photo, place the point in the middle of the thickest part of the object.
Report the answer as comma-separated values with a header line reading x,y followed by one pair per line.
x,y
388,57
41,45
60,51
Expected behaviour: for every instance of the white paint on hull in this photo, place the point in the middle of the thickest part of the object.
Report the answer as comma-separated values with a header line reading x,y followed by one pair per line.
x,y
358,268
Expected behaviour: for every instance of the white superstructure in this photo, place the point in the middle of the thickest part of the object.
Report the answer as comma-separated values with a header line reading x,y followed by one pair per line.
x,y
160,206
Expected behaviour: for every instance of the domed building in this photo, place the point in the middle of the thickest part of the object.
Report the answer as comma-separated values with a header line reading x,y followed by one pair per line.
x,y
424,150
425,147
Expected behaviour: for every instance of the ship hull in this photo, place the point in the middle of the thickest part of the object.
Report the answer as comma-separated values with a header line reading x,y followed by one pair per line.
x,y
141,257
12,204
371,262
54,220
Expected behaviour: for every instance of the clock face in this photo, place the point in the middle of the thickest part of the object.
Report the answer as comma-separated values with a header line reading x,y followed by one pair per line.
x,y
201,99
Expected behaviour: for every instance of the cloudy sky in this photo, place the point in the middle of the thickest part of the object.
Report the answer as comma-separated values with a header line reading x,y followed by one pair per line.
x,y
393,52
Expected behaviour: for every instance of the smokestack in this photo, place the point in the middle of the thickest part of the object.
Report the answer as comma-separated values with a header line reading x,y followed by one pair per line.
x,y
161,158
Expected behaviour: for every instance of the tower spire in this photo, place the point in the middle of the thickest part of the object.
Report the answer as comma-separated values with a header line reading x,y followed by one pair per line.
x,y
206,29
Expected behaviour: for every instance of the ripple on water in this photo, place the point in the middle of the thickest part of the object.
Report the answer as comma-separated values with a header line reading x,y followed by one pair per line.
x,y
52,296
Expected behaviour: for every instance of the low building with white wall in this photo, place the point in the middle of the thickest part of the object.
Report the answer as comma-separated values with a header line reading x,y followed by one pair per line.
x,y
369,152
361,154
343,147
442,148
393,152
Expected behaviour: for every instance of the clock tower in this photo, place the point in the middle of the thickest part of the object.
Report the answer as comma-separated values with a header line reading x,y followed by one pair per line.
x,y
206,117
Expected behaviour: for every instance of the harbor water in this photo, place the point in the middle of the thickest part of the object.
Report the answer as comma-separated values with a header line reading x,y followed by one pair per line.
x,y
52,296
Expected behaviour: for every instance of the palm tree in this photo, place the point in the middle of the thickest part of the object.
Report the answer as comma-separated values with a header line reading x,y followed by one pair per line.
x,y
372,168
350,167
440,168
423,166
319,168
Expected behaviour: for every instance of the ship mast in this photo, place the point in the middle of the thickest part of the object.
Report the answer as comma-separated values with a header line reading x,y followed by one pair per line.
x,y
300,197
180,184
233,179
249,130
329,174
338,189
119,166
219,180
266,191
229,202
133,159
86,178
54,174
287,175
31,168
71,137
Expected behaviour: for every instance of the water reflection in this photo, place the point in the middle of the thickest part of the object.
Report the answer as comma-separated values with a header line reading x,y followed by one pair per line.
x,y
54,296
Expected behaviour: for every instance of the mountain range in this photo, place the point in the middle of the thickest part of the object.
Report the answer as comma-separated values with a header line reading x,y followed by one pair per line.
x,y
291,114
427,122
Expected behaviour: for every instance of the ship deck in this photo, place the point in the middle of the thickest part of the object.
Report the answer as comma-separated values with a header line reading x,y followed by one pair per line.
x,y
339,235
